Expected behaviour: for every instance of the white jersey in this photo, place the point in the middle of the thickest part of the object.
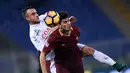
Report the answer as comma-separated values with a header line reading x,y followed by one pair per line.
x,y
39,34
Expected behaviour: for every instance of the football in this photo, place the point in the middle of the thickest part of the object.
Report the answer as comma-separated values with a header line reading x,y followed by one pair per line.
x,y
52,17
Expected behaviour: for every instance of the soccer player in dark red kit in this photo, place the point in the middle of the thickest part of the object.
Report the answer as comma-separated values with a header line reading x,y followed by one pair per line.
x,y
63,44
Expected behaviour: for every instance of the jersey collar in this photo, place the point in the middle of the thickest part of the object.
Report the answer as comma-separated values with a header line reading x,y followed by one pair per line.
x,y
33,25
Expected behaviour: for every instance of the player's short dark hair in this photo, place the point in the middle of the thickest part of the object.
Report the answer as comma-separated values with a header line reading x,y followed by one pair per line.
x,y
63,15
24,11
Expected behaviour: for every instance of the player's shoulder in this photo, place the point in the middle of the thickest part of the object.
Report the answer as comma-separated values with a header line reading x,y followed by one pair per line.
x,y
42,22
55,33
75,28
53,36
41,17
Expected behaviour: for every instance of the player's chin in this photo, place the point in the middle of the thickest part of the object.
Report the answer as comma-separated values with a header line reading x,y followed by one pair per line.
x,y
68,30
37,21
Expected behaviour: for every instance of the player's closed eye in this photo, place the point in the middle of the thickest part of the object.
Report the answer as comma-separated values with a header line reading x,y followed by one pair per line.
x,y
33,13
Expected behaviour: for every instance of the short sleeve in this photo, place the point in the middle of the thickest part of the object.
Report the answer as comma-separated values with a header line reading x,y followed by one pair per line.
x,y
50,44
41,17
77,30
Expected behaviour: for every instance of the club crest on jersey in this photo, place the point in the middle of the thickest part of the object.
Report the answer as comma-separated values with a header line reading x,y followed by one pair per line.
x,y
36,32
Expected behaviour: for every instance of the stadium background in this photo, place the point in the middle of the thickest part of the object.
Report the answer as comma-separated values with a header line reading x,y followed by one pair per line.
x,y
104,24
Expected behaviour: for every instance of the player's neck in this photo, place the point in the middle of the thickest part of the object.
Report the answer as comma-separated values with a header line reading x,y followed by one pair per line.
x,y
65,33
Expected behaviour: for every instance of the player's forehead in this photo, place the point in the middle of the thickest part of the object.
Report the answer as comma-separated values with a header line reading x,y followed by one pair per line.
x,y
30,11
66,19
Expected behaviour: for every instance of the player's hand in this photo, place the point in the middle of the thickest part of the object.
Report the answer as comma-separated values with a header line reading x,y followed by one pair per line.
x,y
72,19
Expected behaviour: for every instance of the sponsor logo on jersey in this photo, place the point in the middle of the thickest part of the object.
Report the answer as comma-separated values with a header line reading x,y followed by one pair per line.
x,y
45,33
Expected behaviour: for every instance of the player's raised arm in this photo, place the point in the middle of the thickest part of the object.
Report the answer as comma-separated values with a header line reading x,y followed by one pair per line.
x,y
72,19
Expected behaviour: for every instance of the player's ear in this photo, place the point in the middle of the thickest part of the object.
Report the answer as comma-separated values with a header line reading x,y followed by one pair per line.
x,y
27,18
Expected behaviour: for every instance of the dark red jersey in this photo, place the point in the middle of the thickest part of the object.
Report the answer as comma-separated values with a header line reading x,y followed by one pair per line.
x,y
68,57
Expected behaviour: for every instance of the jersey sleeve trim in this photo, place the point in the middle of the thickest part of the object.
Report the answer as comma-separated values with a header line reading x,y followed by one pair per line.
x,y
81,46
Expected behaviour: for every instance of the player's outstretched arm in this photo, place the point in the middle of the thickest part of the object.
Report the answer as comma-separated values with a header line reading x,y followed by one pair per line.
x,y
43,62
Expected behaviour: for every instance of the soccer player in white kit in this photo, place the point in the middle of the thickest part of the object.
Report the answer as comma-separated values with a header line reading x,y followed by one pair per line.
x,y
39,33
